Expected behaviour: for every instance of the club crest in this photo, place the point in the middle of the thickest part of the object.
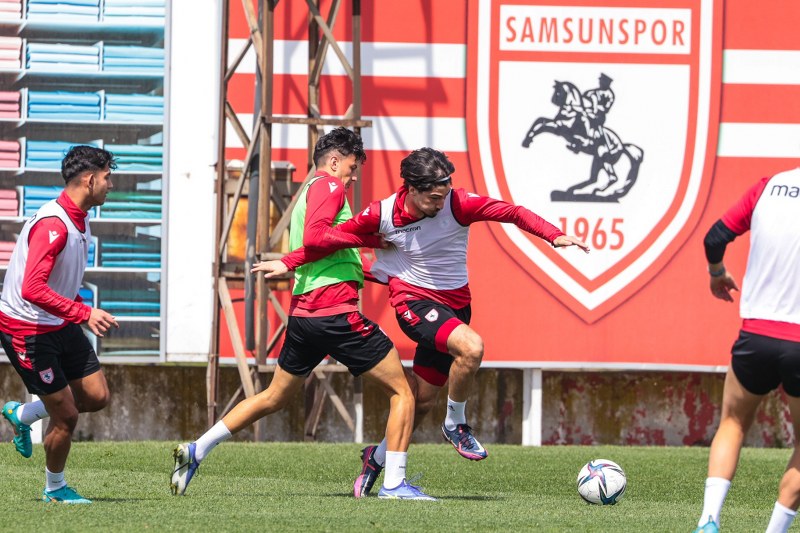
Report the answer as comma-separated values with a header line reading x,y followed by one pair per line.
x,y
603,119
47,375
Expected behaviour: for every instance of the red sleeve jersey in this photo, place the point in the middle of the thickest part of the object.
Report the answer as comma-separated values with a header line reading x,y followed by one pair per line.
x,y
46,240
467,208
42,254
740,214
738,219
359,231
324,199
470,207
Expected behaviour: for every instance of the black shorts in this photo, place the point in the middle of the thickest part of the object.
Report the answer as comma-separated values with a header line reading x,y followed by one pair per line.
x,y
429,324
350,338
49,361
761,363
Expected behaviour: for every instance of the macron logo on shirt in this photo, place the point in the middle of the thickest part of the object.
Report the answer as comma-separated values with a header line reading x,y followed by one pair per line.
x,y
333,186
53,236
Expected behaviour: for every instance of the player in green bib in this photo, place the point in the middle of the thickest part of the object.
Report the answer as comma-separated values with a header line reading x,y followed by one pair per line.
x,y
324,320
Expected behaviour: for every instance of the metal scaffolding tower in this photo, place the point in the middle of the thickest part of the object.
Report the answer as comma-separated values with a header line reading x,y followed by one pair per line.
x,y
268,186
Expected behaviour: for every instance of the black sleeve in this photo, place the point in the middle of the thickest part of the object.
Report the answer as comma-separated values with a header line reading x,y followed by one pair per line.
x,y
717,240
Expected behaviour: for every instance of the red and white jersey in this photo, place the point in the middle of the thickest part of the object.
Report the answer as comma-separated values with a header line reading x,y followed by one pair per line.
x,y
62,281
771,286
430,252
430,260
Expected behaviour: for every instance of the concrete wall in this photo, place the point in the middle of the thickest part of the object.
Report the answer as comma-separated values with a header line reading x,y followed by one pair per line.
x,y
637,408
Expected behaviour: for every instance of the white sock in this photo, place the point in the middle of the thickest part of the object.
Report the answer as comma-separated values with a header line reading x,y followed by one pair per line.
x,y
781,519
716,491
218,433
455,414
380,453
395,471
54,480
28,413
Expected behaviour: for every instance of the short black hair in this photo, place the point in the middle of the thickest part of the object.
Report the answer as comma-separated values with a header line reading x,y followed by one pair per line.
x,y
342,140
82,158
425,168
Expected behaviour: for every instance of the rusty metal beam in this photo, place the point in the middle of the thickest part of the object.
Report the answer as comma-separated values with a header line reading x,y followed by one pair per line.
x,y
318,60
212,370
268,236
237,195
326,31
312,121
255,34
230,114
236,339
231,69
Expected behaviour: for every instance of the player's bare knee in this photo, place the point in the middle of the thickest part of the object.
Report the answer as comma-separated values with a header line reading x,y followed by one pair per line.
x,y
790,485
472,351
65,418
404,392
424,404
423,408
102,400
96,402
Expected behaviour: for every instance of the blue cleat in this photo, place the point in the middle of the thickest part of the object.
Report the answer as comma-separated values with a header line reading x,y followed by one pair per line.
x,y
370,470
465,442
708,527
22,432
404,491
185,468
65,494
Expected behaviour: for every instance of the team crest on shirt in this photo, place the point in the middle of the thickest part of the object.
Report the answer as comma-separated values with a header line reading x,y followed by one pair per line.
x,y
47,375
602,119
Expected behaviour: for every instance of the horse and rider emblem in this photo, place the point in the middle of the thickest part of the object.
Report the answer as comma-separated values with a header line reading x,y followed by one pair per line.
x,y
581,122
563,104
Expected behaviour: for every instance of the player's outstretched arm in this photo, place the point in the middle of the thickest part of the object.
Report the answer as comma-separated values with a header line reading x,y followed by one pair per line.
x,y
568,240
470,207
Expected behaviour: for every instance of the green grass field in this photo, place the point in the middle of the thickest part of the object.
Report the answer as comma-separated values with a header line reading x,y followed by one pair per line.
x,y
308,487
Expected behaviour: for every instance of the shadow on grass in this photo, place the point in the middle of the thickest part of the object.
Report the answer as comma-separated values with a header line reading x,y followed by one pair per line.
x,y
123,500
446,497
349,495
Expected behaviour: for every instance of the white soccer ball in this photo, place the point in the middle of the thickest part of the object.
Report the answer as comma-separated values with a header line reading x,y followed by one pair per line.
x,y
602,482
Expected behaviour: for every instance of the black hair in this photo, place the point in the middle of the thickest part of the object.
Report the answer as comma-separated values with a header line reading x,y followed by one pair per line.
x,y
83,158
341,140
425,168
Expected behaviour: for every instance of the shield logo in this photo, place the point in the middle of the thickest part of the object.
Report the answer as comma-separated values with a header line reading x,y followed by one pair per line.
x,y
603,119
47,375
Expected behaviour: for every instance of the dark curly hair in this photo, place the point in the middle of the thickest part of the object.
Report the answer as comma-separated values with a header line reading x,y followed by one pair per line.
x,y
82,158
425,168
342,140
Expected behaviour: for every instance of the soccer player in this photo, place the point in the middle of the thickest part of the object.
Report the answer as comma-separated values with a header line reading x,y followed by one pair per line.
x,y
324,320
767,352
40,311
427,224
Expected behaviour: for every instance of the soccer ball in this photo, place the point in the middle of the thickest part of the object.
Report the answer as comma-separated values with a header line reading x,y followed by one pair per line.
x,y
602,482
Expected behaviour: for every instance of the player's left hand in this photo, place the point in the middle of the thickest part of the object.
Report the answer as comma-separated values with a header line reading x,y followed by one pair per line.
x,y
569,240
271,268
721,287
